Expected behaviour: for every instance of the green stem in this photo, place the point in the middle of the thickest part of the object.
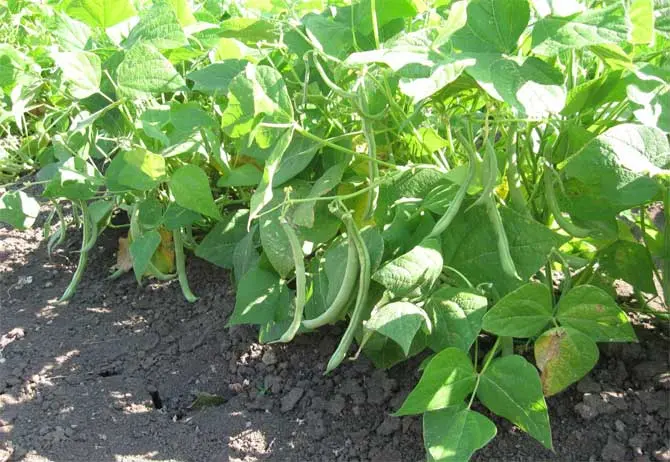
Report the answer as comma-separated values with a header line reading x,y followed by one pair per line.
x,y
83,255
507,346
375,26
489,357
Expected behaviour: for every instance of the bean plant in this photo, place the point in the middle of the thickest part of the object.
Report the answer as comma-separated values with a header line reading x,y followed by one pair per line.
x,y
461,178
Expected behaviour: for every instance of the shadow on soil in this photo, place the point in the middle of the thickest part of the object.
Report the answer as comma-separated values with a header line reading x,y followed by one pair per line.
x,y
75,380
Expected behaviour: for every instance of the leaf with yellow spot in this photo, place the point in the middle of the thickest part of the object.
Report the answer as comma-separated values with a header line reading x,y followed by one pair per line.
x,y
564,355
163,259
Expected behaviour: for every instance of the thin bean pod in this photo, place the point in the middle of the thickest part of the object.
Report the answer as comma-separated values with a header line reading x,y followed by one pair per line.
x,y
300,282
503,245
83,255
341,300
180,263
555,209
361,298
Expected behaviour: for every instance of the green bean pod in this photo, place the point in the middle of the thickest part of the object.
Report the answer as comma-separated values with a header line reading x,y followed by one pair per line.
x,y
361,298
180,263
490,174
555,209
446,219
300,282
341,300
503,245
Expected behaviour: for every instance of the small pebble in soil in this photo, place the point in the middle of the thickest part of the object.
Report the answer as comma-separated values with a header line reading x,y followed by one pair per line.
x,y
289,401
614,451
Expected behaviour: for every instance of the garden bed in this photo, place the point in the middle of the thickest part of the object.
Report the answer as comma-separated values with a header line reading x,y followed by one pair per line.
x,y
75,380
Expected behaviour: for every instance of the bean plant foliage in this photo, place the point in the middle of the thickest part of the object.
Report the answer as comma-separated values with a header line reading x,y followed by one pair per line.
x,y
419,170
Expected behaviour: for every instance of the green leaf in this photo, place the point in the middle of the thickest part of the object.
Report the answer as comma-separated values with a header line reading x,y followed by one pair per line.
x,y
609,87
18,209
71,35
259,294
629,261
399,321
178,217
215,79
594,26
611,173
142,249
529,85
641,14
182,9
245,255
470,246
304,212
219,244
511,388
73,179
592,311
447,380
453,434
190,186
648,90
149,213
522,313
81,72
99,13
296,158
257,95
415,271
422,71
159,27
456,315
137,169
244,175
263,194
564,355
493,25
145,71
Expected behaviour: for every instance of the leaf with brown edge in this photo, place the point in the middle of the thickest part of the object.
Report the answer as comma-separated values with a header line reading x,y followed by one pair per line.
x,y
163,259
564,355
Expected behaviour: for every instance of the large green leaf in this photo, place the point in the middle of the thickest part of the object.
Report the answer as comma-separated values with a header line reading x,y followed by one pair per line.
x,y
264,192
511,388
259,295
529,85
611,173
522,313
414,272
595,313
70,34
18,209
456,316
215,78
422,70
159,27
493,26
629,261
145,71
564,355
648,90
190,186
470,245
81,72
176,217
453,434
592,27
73,179
446,381
219,245
99,13
399,321
641,13
137,169
245,255
304,213
256,95
142,249
182,9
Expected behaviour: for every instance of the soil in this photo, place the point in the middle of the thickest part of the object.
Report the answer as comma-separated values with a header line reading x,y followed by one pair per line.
x,y
83,381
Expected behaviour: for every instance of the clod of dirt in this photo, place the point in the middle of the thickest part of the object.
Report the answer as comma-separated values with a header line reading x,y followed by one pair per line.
x,y
289,401
614,451
269,358
389,426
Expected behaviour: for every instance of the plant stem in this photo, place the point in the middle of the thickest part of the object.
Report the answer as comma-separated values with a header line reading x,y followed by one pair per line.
x,y
83,255
666,247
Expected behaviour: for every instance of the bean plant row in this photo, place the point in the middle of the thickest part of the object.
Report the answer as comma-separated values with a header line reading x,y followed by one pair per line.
x,y
463,179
